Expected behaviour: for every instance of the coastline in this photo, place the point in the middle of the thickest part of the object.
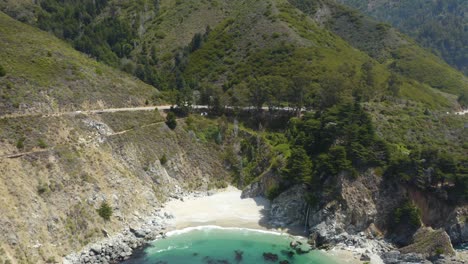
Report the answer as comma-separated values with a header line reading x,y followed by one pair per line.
x,y
220,209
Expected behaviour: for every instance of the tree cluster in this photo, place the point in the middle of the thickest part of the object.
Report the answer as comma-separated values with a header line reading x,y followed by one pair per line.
x,y
340,138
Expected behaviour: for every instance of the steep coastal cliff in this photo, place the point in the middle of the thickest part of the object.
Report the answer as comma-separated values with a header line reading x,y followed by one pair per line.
x,y
362,215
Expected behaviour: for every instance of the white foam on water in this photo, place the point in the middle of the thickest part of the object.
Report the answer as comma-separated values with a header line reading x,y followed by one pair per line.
x,y
214,227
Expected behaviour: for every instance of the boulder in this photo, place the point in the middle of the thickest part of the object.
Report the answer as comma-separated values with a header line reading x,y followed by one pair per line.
x,y
238,255
267,256
429,243
97,249
364,257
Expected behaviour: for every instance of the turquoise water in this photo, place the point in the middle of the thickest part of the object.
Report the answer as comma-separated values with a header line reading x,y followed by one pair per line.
x,y
463,247
213,245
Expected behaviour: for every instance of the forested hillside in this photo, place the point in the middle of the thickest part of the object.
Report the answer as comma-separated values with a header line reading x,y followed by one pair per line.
x,y
43,74
222,49
438,25
358,114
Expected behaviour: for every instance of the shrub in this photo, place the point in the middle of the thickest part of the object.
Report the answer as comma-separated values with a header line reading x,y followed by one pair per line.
x,y
43,188
2,71
439,251
171,121
41,143
20,143
105,211
273,191
163,159
408,213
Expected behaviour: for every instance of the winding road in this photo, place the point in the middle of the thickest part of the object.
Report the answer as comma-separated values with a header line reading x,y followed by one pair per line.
x,y
131,109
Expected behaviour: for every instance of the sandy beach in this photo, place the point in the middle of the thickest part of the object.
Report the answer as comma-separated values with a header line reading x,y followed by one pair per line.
x,y
225,208
222,208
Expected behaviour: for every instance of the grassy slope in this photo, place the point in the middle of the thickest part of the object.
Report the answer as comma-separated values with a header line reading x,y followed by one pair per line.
x,y
51,196
439,25
46,74
258,28
274,38
391,48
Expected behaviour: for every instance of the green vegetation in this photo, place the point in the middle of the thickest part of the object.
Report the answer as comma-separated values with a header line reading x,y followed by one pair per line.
x,y
407,213
171,121
163,159
399,54
2,71
439,251
107,40
226,60
437,25
43,188
41,143
105,211
122,121
339,139
299,166
36,66
20,143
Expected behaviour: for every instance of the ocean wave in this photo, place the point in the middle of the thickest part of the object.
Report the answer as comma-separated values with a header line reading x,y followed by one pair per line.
x,y
214,227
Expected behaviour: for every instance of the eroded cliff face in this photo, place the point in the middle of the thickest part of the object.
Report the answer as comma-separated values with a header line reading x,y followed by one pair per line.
x,y
49,196
364,206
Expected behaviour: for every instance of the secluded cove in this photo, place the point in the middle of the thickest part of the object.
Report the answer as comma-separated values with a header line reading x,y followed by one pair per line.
x,y
216,245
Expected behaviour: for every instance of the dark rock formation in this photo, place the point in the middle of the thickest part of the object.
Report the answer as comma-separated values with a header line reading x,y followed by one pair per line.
x,y
238,255
288,253
289,208
267,256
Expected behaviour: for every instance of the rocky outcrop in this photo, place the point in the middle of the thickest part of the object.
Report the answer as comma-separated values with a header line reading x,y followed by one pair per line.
x,y
359,215
261,185
121,246
430,243
457,226
289,208
361,205
395,257
52,213
438,213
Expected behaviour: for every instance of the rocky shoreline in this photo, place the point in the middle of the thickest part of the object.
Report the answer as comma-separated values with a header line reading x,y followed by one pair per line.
x,y
365,246
121,246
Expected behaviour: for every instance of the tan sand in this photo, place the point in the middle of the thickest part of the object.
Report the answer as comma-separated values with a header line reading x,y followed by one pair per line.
x,y
225,208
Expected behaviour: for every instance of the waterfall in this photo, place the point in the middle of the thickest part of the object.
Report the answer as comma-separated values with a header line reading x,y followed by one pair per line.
x,y
306,223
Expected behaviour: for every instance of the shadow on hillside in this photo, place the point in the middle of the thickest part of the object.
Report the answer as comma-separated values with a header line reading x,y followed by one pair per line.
x,y
265,220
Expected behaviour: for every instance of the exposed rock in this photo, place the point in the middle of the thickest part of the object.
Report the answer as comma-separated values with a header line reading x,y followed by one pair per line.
x,y
253,190
444,259
430,243
96,249
364,257
288,209
120,247
457,226
395,257
267,256
238,255
287,253
260,187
